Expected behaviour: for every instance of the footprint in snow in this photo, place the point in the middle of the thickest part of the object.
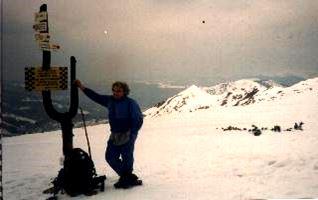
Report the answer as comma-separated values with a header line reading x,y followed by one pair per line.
x,y
20,185
272,162
279,164
8,182
316,167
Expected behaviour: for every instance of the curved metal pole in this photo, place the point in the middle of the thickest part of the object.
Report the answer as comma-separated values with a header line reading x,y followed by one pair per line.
x,y
65,119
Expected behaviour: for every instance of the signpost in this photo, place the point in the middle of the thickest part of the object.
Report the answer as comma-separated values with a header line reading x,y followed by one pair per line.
x,y
47,78
41,28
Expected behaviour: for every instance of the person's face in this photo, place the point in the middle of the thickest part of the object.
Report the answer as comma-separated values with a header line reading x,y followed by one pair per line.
x,y
118,92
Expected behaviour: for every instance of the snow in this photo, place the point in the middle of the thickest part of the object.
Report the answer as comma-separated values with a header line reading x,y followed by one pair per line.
x,y
238,93
165,85
191,99
28,99
187,155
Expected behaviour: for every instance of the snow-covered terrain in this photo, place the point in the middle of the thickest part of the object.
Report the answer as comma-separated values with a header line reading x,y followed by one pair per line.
x,y
239,93
187,155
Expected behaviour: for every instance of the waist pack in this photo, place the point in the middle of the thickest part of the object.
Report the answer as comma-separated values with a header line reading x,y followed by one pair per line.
x,y
119,138
78,175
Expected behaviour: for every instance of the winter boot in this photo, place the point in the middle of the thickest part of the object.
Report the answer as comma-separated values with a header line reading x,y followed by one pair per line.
x,y
127,181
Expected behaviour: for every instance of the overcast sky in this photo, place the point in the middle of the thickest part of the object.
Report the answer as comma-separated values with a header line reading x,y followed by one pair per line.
x,y
168,39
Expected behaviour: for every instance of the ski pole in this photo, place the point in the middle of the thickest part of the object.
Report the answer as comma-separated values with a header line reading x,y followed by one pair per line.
x,y
87,139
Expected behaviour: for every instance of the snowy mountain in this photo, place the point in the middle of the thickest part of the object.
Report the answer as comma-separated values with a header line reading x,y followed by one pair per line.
x,y
190,100
190,155
239,93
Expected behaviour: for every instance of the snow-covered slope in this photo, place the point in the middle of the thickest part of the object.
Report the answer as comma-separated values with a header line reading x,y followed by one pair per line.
x,y
238,93
188,100
188,155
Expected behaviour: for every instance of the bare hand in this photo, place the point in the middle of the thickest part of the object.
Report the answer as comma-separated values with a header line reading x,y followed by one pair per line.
x,y
79,84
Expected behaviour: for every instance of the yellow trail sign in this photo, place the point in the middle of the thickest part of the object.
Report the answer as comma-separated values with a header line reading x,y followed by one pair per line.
x,y
39,79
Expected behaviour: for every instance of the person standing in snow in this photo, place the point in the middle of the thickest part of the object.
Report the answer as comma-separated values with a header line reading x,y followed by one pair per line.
x,y
125,119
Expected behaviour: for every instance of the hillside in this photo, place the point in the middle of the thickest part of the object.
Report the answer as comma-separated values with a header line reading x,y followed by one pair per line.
x,y
238,93
190,155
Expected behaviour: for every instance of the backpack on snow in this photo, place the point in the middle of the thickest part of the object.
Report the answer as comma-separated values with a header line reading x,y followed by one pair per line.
x,y
78,175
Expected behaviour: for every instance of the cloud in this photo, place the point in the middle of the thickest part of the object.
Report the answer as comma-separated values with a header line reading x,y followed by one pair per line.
x,y
168,39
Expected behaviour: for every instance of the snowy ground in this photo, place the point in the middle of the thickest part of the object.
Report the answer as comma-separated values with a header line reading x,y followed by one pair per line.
x,y
188,156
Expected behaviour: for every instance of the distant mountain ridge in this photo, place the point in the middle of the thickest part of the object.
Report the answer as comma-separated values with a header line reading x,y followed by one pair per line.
x,y
238,93
23,111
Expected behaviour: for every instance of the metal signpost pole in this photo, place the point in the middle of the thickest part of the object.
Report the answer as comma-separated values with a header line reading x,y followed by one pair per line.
x,y
65,119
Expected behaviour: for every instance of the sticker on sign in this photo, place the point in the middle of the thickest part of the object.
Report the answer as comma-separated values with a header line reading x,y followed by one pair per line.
x,y
55,47
39,17
46,46
40,27
42,37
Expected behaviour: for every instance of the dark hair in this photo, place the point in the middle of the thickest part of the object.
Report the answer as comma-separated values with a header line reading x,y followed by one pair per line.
x,y
122,85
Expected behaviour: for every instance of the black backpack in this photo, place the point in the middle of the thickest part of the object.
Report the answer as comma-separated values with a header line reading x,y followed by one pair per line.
x,y
78,175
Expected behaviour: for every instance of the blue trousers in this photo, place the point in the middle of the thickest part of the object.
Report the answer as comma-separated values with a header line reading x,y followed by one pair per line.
x,y
121,158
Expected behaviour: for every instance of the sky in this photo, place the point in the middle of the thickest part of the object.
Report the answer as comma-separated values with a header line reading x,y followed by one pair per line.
x,y
167,40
